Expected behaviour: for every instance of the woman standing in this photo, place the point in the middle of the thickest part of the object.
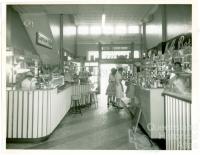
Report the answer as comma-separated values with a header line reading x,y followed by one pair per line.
x,y
119,86
111,89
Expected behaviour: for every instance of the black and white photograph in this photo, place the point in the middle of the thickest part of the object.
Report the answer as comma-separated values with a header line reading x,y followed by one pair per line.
x,y
105,76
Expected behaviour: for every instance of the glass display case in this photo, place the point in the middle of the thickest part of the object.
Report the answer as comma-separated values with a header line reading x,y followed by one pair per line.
x,y
158,66
70,71
19,62
93,69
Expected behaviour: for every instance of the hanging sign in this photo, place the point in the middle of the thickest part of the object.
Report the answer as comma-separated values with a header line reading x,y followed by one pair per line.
x,y
43,40
179,42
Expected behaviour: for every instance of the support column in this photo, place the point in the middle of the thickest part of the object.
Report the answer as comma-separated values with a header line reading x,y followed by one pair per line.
x,y
141,42
99,66
61,45
132,51
144,38
164,23
76,43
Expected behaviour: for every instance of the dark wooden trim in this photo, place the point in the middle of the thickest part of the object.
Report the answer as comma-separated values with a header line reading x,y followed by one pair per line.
x,y
26,140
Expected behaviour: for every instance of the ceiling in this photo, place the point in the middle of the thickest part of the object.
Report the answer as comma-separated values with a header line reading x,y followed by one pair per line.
x,y
91,13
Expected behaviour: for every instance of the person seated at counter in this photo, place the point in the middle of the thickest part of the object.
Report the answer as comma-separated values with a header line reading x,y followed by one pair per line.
x,y
84,76
178,83
29,82
68,77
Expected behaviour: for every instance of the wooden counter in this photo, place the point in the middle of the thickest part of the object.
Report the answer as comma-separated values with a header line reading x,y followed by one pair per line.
x,y
34,115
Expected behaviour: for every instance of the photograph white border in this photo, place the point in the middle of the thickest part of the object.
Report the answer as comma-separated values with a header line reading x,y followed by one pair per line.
x,y
195,72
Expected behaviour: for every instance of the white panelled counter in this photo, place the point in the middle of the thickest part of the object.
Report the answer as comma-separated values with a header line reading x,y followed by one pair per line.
x,y
178,121
34,115
151,102
152,118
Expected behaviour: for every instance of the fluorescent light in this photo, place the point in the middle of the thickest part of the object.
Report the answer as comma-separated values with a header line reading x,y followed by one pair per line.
x,y
69,30
108,29
103,19
83,30
120,29
95,30
133,29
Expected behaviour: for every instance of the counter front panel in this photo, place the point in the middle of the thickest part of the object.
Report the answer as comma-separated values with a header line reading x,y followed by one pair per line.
x,y
151,102
33,115
178,122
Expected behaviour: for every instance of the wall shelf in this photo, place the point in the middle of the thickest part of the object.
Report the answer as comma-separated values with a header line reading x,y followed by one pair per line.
x,y
119,61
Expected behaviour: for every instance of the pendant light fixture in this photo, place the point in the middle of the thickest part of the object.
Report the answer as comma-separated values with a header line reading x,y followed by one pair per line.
x,y
103,18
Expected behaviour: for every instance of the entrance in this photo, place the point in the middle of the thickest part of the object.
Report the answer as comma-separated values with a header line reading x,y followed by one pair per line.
x,y
105,71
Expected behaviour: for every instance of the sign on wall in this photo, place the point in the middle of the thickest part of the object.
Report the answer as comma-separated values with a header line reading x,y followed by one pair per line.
x,y
43,40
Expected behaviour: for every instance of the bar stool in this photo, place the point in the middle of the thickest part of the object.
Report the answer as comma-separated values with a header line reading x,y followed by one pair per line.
x,y
85,99
75,104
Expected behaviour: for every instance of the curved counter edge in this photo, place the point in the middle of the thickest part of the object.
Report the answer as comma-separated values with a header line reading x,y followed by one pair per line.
x,y
33,116
178,96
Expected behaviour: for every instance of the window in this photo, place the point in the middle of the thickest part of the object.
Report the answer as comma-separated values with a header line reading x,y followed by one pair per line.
x,y
108,29
120,29
133,29
95,30
93,55
83,30
69,30
136,54
115,54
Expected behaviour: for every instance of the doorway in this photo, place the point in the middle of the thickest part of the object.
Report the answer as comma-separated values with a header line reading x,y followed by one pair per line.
x,y
105,71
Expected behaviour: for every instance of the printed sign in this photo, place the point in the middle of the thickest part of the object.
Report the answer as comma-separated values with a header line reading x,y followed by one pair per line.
x,y
42,40
179,42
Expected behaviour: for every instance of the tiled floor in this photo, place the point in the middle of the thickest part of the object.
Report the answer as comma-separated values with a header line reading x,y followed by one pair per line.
x,y
97,129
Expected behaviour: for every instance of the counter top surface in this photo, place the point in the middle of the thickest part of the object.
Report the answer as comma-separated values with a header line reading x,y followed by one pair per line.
x,y
63,87
133,84
44,89
185,97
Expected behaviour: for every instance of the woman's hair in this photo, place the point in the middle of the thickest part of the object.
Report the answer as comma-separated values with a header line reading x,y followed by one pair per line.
x,y
113,71
177,63
120,69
